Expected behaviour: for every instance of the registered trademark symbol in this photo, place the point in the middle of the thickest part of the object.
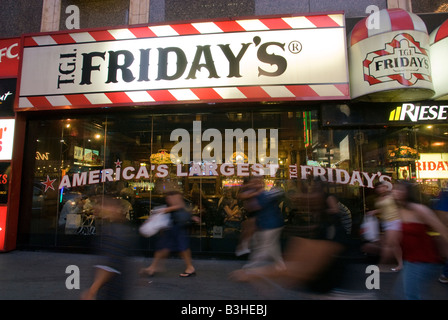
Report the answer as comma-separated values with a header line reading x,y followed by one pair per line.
x,y
295,46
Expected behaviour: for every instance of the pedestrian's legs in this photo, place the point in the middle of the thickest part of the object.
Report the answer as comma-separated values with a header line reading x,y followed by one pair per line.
x,y
443,278
416,275
274,251
101,278
159,256
256,250
391,249
266,248
189,268
396,248
247,230
445,269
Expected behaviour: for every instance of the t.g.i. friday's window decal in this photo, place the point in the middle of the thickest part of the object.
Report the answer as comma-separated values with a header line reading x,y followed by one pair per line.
x,y
338,176
208,161
332,175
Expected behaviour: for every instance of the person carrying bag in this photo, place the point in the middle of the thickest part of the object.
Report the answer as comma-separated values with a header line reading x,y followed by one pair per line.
x,y
157,221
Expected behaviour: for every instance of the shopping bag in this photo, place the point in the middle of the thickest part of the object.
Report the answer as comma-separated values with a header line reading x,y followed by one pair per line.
x,y
72,223
157,221
370,228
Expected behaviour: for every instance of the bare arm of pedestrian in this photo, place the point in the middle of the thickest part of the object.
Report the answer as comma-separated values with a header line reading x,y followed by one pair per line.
x,y
173,208
373,212
430,218
443,216
175,202
229,212
248,194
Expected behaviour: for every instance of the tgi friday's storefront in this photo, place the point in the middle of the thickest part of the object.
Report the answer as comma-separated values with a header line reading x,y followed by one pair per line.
x,y
131,112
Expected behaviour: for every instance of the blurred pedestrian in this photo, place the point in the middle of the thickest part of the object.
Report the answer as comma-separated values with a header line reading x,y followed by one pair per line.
x,y
229,210
198,200
422,260
441,208
387,210
266,247
310,262
331,239
72,207
115,240
248,195
175,238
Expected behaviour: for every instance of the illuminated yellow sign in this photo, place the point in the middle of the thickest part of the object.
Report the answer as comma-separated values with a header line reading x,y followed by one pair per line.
x,y
411,112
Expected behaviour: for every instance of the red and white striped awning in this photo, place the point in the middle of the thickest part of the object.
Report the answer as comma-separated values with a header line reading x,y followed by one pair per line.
x,y
440,33
313,91
298,22
207,95
439,51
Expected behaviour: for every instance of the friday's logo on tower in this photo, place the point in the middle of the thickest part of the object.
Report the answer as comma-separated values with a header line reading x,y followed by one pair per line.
x,y
402,60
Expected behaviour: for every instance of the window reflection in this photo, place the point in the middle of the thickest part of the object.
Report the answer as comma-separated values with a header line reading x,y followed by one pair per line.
x,y
128,156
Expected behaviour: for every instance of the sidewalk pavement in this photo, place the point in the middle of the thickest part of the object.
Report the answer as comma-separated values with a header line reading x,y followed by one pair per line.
x,y
42,275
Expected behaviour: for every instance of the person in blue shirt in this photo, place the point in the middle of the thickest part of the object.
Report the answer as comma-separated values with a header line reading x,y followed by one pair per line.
x,y
266,247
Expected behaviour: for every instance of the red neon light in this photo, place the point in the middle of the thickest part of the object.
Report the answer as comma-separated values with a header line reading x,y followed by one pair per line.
x,y
3,212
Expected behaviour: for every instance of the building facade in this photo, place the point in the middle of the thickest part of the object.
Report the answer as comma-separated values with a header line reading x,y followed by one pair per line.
x,y
130,98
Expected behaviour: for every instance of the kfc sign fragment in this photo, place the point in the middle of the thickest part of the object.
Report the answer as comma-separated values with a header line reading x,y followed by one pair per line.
x,y
9,57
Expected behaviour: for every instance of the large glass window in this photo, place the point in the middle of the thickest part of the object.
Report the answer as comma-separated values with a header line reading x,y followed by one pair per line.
x,y
138,156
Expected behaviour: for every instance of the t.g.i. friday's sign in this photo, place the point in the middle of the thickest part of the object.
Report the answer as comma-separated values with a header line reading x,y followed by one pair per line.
x,y
289,58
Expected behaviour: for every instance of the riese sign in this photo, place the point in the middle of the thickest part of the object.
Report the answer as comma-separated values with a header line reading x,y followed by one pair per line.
x,y
290,58
419,113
